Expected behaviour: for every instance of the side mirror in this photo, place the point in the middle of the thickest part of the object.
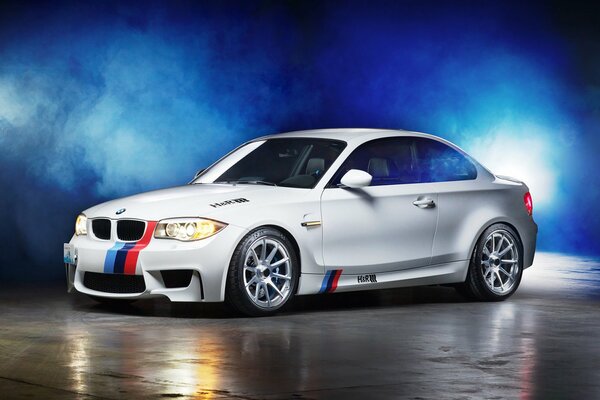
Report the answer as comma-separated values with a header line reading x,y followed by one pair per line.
x,y
356,178
200,171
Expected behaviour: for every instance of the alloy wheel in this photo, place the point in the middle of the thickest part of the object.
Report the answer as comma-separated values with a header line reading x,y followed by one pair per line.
x,y
500,262
267,273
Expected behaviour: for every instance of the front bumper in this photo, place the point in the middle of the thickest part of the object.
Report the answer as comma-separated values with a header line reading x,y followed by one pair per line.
x,y
208,260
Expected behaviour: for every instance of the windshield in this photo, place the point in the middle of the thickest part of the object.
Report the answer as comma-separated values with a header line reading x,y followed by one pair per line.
x,y
290,162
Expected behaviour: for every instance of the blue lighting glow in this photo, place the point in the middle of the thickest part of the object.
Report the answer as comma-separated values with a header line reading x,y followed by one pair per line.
x,y
104,99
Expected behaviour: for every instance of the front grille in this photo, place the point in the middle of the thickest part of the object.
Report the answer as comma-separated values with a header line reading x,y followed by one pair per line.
x,y
178,278
101,228
130,229
114,283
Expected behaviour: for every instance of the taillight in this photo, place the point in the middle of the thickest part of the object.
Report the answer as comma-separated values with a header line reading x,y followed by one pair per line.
x,y
528,203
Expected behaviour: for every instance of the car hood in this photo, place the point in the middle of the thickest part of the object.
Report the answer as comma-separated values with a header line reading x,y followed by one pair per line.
x,y
200,200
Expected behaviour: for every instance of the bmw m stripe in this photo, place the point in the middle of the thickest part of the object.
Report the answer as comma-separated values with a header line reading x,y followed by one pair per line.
x,y
133,254
330,281
325,281
111,254
122,258
119,266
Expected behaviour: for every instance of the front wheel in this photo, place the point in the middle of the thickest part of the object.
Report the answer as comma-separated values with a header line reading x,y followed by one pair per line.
x,y
496,266
263,273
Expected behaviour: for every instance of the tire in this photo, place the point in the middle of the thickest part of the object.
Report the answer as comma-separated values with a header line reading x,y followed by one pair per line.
x,y
263,273
496,265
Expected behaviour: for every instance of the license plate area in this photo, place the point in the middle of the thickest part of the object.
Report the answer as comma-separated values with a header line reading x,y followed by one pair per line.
x,y
69,254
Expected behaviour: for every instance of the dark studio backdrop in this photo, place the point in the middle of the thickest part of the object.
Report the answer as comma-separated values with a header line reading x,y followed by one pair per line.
x,y
102,99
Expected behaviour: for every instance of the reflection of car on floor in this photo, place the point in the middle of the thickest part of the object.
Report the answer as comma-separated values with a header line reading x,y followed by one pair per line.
x,y
311,212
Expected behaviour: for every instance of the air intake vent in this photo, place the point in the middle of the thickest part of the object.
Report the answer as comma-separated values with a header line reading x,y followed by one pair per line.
x,y
101,228
178,278
130,229
114,283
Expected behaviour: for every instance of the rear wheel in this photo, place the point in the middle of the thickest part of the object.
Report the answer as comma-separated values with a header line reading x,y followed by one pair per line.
x,y
496,268
263,273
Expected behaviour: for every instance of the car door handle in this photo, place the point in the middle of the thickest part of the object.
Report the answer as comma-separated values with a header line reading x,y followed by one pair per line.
x,y
424,203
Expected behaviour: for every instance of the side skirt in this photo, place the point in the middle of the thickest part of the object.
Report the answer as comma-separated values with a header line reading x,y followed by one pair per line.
x,y
335,280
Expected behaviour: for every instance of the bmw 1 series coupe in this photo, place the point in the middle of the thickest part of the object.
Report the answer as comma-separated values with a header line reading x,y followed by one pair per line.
x,y
311,212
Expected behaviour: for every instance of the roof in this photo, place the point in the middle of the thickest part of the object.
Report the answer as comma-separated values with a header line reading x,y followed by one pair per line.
x,y
362,135
346,134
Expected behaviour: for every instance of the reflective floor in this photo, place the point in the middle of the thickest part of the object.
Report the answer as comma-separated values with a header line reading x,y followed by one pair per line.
x,y
419,343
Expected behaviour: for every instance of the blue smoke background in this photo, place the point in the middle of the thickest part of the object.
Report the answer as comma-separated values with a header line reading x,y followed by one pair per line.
x,y
103,99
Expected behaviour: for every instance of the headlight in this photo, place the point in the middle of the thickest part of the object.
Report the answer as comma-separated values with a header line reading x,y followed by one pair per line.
x,y
187,229
81,225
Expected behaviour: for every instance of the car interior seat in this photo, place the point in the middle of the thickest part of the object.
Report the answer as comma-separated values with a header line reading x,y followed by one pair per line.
x,y
315,166
383,170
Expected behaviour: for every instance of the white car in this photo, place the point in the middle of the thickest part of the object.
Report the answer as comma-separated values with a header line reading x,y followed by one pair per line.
x,y
311,212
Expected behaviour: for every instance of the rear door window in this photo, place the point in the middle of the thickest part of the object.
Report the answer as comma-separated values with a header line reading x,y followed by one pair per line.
x,y
438,162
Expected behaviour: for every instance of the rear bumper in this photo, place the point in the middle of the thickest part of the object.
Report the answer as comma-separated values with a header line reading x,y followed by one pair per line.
x,y
208,260
528,232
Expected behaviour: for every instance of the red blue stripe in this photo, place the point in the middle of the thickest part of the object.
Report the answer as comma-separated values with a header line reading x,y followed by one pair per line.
x,y
330,281
122,257
119,266
133,253
111,254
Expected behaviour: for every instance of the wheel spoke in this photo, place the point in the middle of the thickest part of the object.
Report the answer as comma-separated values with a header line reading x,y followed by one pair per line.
x,y
506,249
487,272
272,253
263,250
266,289
251,281
493,243
279,262
275,288
255,257
279,276
508,261
256,293
504,272
492,279
502,239
500,279
486,251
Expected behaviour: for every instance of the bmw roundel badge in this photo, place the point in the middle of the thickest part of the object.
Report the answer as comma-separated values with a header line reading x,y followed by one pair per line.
x,y
120,211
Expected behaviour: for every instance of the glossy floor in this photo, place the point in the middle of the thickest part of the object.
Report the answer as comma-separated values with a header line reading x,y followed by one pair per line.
x,y
408,343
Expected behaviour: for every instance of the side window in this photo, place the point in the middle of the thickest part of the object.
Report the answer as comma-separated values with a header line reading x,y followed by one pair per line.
x,y
439,162
390,161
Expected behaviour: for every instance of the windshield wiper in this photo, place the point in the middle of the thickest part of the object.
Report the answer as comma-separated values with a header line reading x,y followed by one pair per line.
x,y
252,182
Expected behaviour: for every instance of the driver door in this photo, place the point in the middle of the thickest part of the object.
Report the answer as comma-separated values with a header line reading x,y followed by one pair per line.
x,y
387,226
